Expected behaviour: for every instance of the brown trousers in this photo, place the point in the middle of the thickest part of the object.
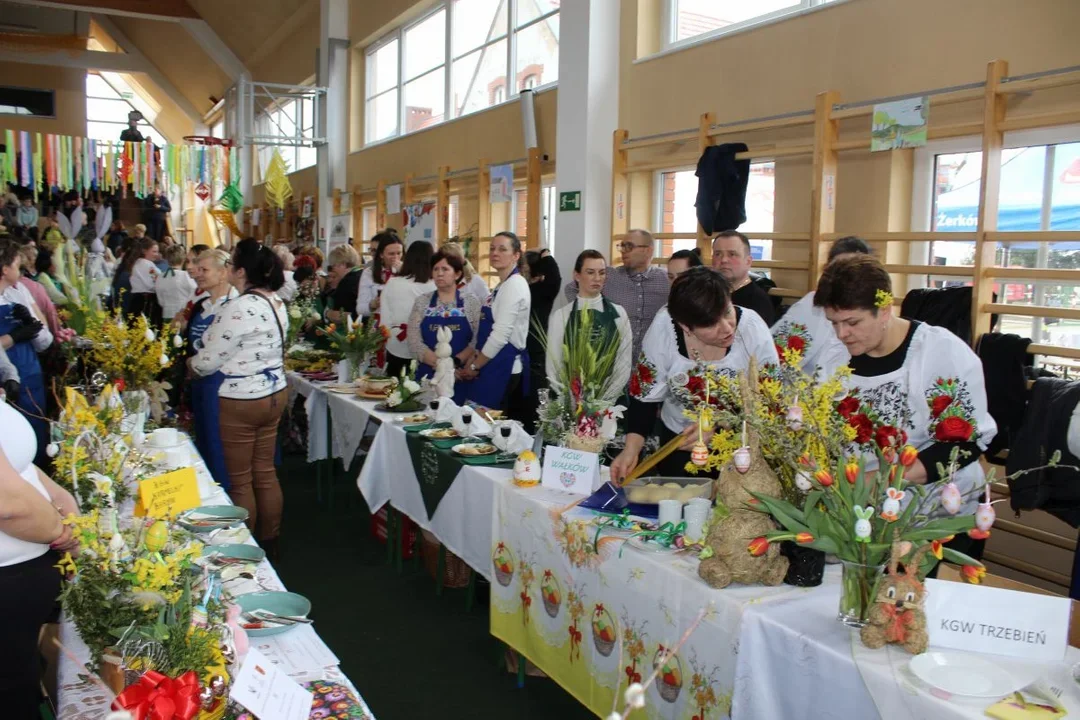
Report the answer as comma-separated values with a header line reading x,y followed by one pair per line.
x,y
249,438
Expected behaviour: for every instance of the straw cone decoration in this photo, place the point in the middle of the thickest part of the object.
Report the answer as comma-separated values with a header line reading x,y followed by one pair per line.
x,y
276,182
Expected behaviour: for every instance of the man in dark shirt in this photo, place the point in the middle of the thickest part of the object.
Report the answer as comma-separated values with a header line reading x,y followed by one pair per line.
x,y
731,258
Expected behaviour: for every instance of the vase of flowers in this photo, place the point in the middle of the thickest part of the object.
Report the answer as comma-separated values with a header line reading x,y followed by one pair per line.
x,y
858,591
356,343
405,397
128,352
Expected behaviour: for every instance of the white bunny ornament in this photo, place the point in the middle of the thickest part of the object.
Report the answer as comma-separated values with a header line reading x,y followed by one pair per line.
x,y
443,382
890,509
863,529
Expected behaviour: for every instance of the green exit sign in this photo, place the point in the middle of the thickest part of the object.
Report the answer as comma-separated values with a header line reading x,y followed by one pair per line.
x,y
569,201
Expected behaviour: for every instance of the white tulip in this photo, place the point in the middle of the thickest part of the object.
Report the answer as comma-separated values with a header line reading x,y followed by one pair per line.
x,y
177,341
164,359
411,386
149,335
394,399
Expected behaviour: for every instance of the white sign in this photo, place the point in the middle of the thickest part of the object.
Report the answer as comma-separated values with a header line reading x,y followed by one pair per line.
x,y
256,216
502,183
418,221
306,208
340,229
393,198
993,620
299,653
269,693
573,471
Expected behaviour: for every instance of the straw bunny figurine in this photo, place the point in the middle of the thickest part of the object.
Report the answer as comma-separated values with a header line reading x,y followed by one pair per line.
x,y
443,382
897,615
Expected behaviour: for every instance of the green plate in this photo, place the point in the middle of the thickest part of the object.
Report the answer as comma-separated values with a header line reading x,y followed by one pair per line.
x,y
279,602
236,516
236,551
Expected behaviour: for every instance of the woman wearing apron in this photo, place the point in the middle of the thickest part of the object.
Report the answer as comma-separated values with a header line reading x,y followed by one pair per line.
x,y
497,369
699,330
211,277
23,335
448,307
910,384
243,353
609,322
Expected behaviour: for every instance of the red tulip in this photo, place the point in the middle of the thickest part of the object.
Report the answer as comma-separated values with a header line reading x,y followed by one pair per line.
x,y
977,534
851,472
803,538
908,456
823,477
758,546
973,573
935,548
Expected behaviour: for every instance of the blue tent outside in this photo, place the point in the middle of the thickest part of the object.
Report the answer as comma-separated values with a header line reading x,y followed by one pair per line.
x,y
1013,219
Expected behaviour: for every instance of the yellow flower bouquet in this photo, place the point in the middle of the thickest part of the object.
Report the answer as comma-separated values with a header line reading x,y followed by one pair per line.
x,y
130,353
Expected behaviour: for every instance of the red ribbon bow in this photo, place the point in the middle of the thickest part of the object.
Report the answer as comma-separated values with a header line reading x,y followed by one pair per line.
x,y
403,329
896,629
159,697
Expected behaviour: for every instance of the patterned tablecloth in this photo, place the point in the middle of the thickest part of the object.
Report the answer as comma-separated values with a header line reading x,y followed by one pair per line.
x,y
80,699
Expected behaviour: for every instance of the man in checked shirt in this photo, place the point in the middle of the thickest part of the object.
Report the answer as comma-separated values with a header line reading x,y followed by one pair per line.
x,y
638,285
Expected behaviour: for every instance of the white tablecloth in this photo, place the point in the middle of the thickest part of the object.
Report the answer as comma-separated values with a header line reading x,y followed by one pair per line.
x,y
349,417
80,699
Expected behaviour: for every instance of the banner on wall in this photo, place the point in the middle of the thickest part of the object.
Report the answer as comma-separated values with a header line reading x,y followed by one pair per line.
x,y
393,198
419,222
900,124
256,216
502,183
305,212
339,230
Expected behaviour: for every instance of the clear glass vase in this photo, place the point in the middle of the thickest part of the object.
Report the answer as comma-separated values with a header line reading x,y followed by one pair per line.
x,y
858,588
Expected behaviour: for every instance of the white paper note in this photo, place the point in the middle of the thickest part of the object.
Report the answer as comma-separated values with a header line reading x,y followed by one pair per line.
x,y
300,653
269,693
393,198
573,471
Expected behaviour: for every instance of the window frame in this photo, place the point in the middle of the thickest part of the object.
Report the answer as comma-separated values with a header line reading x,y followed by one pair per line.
x,y
451,56
669,23
144,124
299,122
922,192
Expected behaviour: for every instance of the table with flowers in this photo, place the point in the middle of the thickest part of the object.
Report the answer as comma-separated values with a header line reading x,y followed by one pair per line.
x,y
81,699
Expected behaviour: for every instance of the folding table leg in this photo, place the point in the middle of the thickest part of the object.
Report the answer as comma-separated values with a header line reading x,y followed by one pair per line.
x,y
470,592
521,670
391,522
400,543
440,570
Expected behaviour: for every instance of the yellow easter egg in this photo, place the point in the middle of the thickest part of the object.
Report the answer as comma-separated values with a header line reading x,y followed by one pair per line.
x,y
157,536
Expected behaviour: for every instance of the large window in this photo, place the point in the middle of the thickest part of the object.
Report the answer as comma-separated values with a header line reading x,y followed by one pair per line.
x,y
109,99
463,56
1040,191
291,118
690,19
676,193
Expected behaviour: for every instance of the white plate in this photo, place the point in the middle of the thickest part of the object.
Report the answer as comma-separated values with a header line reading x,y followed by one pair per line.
x,y
430,433
458,449
971,674
408,419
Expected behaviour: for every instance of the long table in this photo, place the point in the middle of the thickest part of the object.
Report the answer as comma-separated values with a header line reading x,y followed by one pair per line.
x,y
758,653
80,699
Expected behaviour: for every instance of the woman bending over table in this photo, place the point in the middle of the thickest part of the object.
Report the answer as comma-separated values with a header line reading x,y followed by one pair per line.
x,y
450,307
699,329
243,354
911,383
500,370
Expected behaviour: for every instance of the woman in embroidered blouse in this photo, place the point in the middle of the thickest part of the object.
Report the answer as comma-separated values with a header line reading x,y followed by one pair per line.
x,y
700,329
243,353
804,326
497,369
144,275
384,265
449,306
911,383
398,298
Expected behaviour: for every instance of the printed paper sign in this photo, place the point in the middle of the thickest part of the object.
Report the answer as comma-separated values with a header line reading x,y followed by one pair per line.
x,y
993,620
168,494
900,124
393,198
268,692
502,183
573,471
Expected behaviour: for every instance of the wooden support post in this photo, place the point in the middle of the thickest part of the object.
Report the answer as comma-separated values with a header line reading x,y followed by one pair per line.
x,y
704,240
380,206
620,191
993,139
533,203
823,180
442,220
483,214
337,202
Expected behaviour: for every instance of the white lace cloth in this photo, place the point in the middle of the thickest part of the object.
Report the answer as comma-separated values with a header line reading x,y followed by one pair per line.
x,y
81,699
349,418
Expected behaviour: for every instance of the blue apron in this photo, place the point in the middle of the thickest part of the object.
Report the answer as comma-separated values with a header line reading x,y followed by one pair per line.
x,y
204,405
31,398
489,387
462,334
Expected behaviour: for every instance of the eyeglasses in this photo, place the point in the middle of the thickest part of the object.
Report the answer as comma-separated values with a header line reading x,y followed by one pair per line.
x,y
628,246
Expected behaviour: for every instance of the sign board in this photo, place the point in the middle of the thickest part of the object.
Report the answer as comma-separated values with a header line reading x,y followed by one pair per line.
x,y
393,198
265,690
994,620
168,494
900,124
573,471
340,227
570,201
502,183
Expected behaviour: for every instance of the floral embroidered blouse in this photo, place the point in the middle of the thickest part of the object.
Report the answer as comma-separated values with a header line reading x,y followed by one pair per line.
x,y
805,328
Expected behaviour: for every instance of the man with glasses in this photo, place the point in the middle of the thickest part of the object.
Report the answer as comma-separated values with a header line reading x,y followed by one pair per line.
x,y
640,287
731,258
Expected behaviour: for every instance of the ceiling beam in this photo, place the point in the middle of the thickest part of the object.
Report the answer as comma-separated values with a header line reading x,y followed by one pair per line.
x,y
215,47
173,10
152,71
84,59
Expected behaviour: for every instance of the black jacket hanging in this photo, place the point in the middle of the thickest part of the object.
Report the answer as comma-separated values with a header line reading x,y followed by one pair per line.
x,y
721,195
948,307
1005,359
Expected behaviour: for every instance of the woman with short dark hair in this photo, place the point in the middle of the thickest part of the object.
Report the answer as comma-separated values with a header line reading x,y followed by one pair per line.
x,y
243,352
448,307
398,298
699,330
